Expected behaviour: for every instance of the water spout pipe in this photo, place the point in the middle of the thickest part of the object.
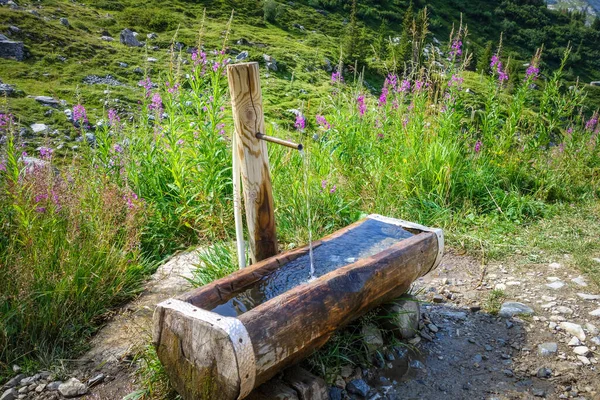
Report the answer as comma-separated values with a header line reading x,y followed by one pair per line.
x,y
283,142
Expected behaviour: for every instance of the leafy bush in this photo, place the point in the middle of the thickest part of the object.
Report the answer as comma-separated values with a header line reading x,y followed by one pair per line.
x,y
271,10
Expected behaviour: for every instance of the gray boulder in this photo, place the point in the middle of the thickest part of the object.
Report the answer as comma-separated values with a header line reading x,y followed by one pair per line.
x,y
10,394
401,317
128,38
242,56
65,22
47,101
39,128
6,89
73,388
512,308
271,63
107,38
11,49
595,83
152,36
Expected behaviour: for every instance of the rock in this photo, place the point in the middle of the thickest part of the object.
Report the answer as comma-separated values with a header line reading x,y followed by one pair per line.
x,y
152,36
14,29
65,22
433,328
401,317
438,298
138,70
555,285
11,49
107,38
511,308
585,296
271,63
584,360
6,89
36,377
547,349
242,56
9,394
327,65
47,101
52,386
151,59
122,65
563,310
555,265
591,328
73,388
16,369
40,388
539,392
595,340
579,281
128,38
544,373
581,350
14,381
574,342
372,337
595,83
595,313
102,80
95,380
573,329
39,128
335,393
359,387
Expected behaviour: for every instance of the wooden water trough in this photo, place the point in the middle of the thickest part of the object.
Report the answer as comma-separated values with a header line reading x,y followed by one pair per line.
x,y
221,341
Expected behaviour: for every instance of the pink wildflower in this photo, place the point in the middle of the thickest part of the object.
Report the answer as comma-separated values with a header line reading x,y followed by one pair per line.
x,y
300,122
362,107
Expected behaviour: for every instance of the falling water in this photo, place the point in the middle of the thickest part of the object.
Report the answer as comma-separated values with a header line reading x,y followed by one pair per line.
x,y
307,190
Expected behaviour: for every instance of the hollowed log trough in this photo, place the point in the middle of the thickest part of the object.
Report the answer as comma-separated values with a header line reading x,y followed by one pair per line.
x,y
224,339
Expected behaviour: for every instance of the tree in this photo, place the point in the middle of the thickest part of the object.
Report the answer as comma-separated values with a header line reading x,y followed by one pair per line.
x,y
381,43
485,57
596,24
404,50
354,48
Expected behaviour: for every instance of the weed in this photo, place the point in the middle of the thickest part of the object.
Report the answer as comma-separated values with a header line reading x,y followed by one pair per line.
x,y
494,301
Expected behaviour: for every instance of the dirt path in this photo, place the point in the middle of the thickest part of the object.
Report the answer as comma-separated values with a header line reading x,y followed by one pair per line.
x,y
463,352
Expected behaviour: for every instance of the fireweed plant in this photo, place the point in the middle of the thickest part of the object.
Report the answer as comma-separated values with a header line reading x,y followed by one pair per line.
x,y
426,148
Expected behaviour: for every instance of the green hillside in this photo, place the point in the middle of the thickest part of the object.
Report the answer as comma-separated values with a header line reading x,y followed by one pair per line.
x,y
300,36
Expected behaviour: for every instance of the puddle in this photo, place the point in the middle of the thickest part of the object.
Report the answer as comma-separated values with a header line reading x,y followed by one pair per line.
x,y
365,240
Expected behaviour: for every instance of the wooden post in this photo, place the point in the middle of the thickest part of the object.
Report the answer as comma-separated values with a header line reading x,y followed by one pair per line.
x,y
248,118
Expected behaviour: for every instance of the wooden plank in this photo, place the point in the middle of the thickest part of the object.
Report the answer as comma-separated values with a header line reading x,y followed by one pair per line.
x,y
287,329
248,119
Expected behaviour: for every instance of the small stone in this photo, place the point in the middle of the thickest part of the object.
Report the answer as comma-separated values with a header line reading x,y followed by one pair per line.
x,y
584,360
573,329
591,328
47,101
595,340
65,22
511,308
28,381
509,324
552,325
73,388
16,369
9,394
574,341
335,393
401,317
563,310
52,386
508,373
500,286
595,313
39,128
416,364
346,371
433,328
438,298
151,59
477,358
372,337
581,350
128,38
95,380
555,285
554,265
242,56
547,349
359,387
579,281
40,388
539,392
544,373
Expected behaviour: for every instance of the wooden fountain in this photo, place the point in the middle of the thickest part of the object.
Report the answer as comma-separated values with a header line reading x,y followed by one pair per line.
x,y
224,339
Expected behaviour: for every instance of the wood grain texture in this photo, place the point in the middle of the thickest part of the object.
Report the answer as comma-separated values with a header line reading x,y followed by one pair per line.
x,y
248,118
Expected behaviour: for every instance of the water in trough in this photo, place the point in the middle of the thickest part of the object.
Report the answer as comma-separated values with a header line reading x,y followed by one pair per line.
x,y
365,240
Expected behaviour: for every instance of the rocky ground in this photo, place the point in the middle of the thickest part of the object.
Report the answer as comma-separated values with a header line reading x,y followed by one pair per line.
x,y
544,342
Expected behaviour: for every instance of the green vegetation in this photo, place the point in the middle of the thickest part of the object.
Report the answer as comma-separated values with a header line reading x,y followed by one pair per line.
x,y
80,230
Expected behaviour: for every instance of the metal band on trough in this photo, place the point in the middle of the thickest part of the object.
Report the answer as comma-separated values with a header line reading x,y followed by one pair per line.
x,y
238,336
411,225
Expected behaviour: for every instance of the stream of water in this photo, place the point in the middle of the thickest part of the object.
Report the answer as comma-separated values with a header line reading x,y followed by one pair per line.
x,y
305,161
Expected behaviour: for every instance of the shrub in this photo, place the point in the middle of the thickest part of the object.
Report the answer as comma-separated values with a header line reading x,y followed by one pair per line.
x,y
150,19
271,10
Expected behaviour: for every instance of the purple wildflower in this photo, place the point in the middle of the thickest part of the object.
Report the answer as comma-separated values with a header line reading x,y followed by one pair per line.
x,y
300,122
322,121
79,114
117,148
323,184
532,72
216,66
383,97
221,128
362,107
333,189
146,84
502,74
456,48
5,120
477,146
392,81
46,152
156,103
495,61
180,142
113,117
2,165
419,85
456,79
41,210
592,122
337,77
404,86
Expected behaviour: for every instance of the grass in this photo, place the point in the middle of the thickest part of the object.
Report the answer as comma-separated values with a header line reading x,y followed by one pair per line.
x,y
494,301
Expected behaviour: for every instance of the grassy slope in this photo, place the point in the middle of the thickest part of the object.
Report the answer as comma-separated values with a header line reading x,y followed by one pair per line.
x,y
300,54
